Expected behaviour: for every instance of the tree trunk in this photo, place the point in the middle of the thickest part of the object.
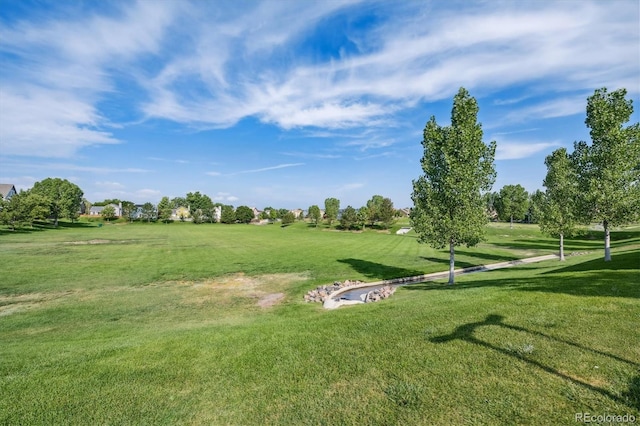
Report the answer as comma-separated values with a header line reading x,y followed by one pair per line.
x,y
511,226
451,262
607,242
561,246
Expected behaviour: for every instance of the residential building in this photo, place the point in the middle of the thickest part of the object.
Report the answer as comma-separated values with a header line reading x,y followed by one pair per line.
x,y
7,190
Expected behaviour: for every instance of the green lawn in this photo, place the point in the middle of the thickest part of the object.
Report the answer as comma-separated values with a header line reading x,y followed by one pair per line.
x,y
160,324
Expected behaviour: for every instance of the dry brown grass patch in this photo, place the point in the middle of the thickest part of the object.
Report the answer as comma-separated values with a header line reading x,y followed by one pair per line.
x,y
11,304
267,289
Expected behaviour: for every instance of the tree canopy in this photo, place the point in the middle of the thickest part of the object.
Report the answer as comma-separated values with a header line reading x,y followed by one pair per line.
x,y
608,169
513,201
331,209
448,205
228,214
164,210
349,218
244,214
315,214
64,197
558,204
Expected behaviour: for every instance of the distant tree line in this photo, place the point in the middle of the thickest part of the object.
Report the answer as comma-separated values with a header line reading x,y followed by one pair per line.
x,y
53,198
378,212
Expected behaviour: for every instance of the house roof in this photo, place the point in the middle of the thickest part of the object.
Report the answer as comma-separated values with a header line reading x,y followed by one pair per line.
x,y
5,188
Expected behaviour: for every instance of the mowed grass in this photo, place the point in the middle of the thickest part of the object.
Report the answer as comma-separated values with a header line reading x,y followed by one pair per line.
x,y
160,324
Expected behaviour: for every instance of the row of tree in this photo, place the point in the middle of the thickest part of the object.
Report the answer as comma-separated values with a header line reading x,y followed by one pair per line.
x,y
55,198
597,182
198,208
379,211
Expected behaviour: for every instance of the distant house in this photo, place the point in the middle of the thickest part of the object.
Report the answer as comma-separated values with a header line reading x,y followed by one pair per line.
x,y
256,213
97,210
181,213
217,213
137,211
297,213
7,190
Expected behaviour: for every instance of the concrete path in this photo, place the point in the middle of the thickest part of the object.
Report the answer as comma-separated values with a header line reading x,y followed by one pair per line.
x,y
334,300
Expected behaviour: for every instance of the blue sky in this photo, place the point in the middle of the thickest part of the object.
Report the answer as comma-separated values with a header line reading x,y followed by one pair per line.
x,y
285,103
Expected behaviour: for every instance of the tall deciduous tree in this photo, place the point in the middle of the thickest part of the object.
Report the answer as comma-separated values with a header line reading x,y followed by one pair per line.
x,y
315,214
513,201
536,201
199,205
373,207
386,213
608,171
363,216
458,166
35,206
164,210
64,197
108,213
129,210
244,214
558,205
349,218
331,208
288,218
228,214
148,211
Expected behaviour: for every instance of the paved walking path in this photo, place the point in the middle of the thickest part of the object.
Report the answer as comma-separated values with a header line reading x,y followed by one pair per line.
x,y
334,301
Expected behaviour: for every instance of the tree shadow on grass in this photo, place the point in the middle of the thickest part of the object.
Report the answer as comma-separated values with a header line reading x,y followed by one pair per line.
x,y
486,257
483,259
40,226
633,393
378,270
466,333
538,244
445,262
19,231
620,261
619,278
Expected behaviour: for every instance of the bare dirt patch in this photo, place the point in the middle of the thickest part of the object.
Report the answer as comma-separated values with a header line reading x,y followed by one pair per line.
x,y
267,289
92,242
270,300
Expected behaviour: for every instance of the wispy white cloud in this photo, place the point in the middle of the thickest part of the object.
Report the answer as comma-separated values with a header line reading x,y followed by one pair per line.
x,y
70,167
169,160
104,192
266,169
560,107
407,59
519,150
350,187
110,185
48,123
50,94
312,155
225,196
147,193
